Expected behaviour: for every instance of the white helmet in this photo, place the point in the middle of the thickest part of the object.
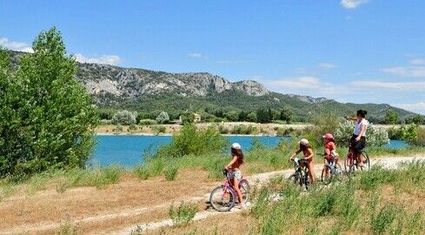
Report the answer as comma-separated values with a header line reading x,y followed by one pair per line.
x,y
236,146
303,142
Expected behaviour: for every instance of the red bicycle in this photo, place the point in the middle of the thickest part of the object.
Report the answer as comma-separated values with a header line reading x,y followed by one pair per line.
x,y
224,197
352,164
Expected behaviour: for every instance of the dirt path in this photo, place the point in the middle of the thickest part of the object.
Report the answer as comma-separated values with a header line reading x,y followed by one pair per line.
x,y
256,180
133,203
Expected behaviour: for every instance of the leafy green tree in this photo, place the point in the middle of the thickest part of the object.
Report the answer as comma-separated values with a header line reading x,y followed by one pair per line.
x,y
53,118
251,117
232,115
418,119
243,116
286,115
264,115
391,117
163,117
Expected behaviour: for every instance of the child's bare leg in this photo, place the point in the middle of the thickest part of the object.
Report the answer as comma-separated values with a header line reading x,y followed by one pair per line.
x,y
237,189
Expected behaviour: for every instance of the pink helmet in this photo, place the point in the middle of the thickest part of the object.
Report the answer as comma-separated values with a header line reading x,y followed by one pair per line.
x,y
328,136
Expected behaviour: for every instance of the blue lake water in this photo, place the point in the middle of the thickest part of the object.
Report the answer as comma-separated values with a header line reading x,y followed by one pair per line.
x,y
129,150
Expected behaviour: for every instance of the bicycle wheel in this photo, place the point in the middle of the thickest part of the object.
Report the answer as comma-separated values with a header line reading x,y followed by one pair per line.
x,y
326,178
222,198
245,189
305,180
366,161
295,178
349,165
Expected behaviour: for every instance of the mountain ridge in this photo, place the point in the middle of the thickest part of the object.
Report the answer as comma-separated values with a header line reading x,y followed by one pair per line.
x,y
151,91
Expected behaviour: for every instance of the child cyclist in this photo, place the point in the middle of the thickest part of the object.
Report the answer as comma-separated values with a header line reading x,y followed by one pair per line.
x,y
234,168
307,151
330,155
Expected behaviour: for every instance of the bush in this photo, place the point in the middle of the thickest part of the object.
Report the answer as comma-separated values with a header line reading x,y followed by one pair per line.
x,y
190,140
163,117
244,129
183,214
419,140
159,129
46,116
170,173
147,122
375,136
142,172
404,132
124,117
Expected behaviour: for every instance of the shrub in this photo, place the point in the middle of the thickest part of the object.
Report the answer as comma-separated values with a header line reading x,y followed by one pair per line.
x,y
99,177
244,129
170,172
142,172
163,117
159,129
46,116
384,218
419,140
375,136
183,214
147,122
124,117
190,140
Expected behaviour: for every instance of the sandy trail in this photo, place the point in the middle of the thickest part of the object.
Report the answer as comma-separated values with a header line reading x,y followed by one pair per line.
x,y
144,213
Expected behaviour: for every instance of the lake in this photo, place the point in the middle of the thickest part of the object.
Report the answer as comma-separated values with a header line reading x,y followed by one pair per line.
x,y
129,150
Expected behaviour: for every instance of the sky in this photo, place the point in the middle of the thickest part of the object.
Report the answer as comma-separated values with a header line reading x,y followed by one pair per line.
x,y
360,51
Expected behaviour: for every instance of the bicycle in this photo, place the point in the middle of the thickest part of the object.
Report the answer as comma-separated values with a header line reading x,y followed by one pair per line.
x,y
351,164
330,172
300,176
224,197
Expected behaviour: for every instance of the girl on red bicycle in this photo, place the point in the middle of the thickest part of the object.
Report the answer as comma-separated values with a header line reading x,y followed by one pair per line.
x,y
330,155
234,168
308,153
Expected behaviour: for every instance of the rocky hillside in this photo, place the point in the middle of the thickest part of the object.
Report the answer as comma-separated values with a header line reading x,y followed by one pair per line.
x,y
153,91
134,83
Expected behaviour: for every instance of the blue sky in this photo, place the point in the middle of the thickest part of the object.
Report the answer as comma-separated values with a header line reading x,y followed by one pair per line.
x,y
349,50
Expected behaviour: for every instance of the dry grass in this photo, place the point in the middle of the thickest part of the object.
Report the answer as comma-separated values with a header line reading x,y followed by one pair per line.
x,y
49,206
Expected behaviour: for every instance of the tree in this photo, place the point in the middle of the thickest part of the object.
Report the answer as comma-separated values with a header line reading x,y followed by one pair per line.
x,y
53,118
286,115
124,117
251,117
232,115
418,119
264,115
163,117
391,117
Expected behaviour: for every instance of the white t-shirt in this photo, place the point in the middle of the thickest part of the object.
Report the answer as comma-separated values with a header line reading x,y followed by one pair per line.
x,y
358,127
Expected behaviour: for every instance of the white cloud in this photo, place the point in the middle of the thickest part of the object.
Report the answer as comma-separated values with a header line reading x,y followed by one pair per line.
x,y
416,68
352,4
232,61
414,107
417,86
325,65
406,71
305,82
15,46
104,59
197,55
418,61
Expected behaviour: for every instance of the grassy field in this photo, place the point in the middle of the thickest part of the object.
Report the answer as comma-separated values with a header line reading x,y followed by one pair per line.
x,y
376,202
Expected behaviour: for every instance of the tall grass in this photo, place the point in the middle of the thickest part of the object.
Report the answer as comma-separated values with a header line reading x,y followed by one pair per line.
x,y
356,206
